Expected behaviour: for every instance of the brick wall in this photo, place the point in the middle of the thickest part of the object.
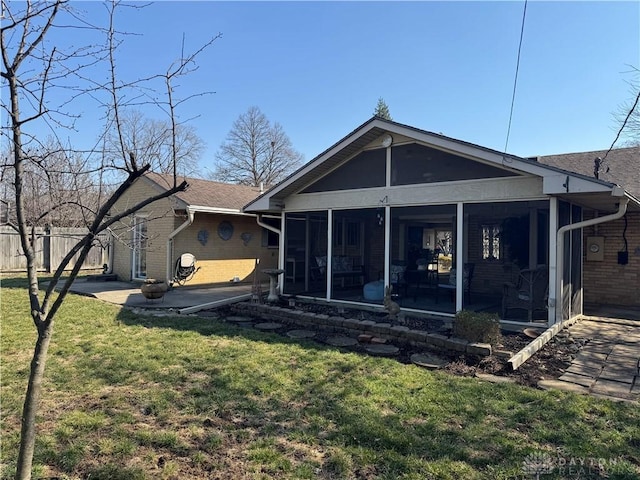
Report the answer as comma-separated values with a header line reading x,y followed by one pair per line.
x,y
221,260
161,222
607,282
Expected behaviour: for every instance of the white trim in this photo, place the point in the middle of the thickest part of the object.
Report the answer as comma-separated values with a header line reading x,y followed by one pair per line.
x,y
226,211
387,245
329,267
459,254
553,228
468,191
134,251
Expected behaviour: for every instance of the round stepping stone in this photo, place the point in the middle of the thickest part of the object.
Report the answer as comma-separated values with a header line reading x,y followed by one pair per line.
x,y
341,341
236,318
382,349
245,324
301,334
268,326
427,361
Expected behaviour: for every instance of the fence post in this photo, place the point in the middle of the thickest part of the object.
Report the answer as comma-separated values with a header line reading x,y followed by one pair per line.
x,y
46,248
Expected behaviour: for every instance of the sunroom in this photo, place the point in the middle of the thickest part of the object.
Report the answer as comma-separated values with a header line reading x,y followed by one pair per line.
x,y
439,224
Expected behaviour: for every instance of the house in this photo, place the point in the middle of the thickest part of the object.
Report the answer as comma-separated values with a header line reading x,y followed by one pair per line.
x,y
393,205
205,221
613,276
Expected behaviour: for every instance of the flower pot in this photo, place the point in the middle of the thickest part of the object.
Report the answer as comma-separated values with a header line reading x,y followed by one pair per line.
x,y
153,289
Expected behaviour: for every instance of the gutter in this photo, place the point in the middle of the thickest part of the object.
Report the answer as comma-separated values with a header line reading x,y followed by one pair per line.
x,y
622,209
267,226
190,216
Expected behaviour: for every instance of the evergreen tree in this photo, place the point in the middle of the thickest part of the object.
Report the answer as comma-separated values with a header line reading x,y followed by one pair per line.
x,y
382,110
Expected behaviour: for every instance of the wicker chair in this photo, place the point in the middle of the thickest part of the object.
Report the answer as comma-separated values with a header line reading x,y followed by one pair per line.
x,y
529,293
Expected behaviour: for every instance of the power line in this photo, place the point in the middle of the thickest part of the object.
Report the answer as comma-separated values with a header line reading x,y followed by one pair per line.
x,y
515,80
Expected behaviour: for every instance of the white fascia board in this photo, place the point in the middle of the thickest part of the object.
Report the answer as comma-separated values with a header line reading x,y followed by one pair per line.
x,y
563,183
261,204
225,211
491,190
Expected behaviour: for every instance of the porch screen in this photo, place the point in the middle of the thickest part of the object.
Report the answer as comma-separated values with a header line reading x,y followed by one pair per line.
x,y
413,164
365,170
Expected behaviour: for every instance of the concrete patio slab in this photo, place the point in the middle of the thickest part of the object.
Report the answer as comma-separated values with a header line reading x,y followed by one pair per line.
x,y
129,295
611,388
607,366
585,381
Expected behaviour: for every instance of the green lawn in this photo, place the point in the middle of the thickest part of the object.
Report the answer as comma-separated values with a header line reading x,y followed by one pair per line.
x,y
135,397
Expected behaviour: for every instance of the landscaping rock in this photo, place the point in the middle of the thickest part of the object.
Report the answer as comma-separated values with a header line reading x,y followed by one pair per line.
x,y
482,349
341,341
301,334
268,326
376,349
429,362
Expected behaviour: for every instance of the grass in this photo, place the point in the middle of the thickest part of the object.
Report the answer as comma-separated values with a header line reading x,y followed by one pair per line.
x,y
136,397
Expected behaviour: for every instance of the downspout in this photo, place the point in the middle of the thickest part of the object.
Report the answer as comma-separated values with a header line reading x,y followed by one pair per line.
x,y
110,250
190,216
622,209
265,225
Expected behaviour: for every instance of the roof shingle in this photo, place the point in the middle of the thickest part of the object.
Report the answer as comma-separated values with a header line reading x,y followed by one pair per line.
x,y
622,166
207,193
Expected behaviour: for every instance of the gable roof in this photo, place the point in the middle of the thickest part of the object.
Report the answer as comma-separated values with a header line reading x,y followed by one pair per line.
x,y
621,166
207,195
554,178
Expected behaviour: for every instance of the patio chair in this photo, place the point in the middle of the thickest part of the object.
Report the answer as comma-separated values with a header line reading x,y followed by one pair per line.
x,y
466,282
528,294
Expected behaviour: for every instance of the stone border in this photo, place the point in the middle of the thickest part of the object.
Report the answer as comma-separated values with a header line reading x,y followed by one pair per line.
x,y
349,326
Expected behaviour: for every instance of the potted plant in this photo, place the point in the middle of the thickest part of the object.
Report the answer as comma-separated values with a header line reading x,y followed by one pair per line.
x,y
153,289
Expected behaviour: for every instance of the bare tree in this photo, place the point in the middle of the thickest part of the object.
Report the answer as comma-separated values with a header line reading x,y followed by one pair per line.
x,y
152,139
627,116
31,69
52,175
255,152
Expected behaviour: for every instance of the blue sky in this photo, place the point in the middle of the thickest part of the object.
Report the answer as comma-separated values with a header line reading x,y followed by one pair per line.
x,y
318,68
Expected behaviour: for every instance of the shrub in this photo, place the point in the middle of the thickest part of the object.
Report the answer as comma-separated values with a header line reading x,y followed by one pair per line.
x,y
477,327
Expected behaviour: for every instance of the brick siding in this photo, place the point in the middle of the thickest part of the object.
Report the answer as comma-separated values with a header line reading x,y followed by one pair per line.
x,y
607,282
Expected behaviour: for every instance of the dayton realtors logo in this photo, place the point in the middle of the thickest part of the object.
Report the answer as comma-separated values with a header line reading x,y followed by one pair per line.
x,y
538,464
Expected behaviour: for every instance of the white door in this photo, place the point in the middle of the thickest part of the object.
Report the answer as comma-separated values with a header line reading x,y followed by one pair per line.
x,y
139,267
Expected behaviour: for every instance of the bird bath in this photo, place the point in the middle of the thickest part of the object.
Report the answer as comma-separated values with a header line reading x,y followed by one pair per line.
x,y
273,282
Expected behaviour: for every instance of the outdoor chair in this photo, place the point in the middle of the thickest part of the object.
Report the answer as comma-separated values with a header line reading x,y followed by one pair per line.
x,y
466,282
528,294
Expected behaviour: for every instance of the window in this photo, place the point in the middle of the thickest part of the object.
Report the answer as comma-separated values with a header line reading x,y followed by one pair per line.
x,y
271,239
490,242
353,234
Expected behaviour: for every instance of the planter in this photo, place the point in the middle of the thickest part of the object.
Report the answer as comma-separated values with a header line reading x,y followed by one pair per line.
x,y
153,289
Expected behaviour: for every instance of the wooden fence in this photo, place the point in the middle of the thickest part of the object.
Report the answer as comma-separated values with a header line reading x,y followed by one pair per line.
x,y
51,247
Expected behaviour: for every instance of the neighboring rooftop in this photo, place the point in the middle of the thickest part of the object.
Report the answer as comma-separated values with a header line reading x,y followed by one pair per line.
x,y
621,166
207,193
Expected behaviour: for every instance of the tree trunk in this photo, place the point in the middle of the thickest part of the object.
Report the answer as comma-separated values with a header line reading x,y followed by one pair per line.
x,y
31,401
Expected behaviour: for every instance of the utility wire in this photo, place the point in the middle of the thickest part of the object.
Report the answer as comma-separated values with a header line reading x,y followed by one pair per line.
x,y
515,80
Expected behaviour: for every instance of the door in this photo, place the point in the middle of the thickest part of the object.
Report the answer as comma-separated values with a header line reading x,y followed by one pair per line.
x,y
139,267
